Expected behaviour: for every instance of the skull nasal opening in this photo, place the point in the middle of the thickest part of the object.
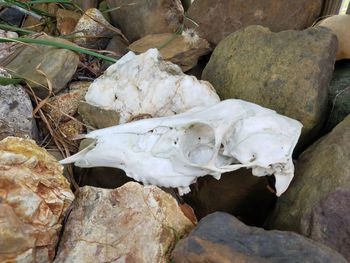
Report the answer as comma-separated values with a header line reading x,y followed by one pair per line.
x,y
198,143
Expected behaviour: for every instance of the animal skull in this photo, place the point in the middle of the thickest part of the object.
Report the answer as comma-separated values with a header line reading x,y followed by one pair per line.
x,y
174,151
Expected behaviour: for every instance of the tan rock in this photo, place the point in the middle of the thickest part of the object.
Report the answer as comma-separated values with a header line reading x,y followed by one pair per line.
x,y
183,50
71,128
64,104
132,223
340,25
66,21
217,19
35,197
145,17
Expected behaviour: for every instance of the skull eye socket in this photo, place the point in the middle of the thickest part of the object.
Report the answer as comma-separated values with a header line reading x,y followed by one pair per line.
x,y
198,143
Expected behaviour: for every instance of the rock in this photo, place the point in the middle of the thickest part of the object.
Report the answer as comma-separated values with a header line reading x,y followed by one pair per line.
x,y
132,223
339,94
96,117
66,103
146,17
183,50
12,16
93,30
86,4
71,128
66,21
238,193
35,197
139,86
119,47
218,19
287,71
16,118
340,24
220,237
36,23
317,202
6,49
330,7
57,64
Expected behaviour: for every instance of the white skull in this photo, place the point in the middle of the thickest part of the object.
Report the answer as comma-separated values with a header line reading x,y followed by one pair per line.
x,y
174,151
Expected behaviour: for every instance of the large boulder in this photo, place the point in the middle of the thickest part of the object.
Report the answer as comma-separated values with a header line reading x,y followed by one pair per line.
x,y
34,199
217,19
287,71
317,201
339,94
145,17
221,237
16,118
132,223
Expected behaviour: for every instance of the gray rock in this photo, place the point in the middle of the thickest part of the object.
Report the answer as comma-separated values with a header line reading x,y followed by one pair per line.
x,y
58,65
217,19
287,71
220,237
239,193
145,17
317,201
16,118
339,94
132,223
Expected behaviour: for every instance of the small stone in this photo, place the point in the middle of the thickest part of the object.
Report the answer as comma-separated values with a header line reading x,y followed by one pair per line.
x,y
71,128
146,17
217,19
288,72
133,223
66,21
221,237
183,50
35,197
57,64
16,118
93,30
340,24
119,47
66,103
6,49
86,4
317,202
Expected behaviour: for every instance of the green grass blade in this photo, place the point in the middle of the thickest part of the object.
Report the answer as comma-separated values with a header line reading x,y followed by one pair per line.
x,y
58,45
8,81
14,28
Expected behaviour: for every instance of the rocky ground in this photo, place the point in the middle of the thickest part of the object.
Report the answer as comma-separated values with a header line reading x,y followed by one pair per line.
x,y
71,67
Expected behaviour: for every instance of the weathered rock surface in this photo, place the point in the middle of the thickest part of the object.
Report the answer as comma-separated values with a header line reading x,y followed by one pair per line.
x,y
340,24
58,65
86,4
118,47
339,94
34,199
132,223
221,237
317,202
93,30
66,103
139,86
16,118
239,193
145,17
218,19
287,71
7,49
66,21
183,50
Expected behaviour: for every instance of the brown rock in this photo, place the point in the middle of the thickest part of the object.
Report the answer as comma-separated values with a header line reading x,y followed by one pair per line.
x,y
183,50
238,193
118,46
317,201
97,117
288,72
66,21
218,19
221,238
86,4
34,198
132,223
144,17
71,128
